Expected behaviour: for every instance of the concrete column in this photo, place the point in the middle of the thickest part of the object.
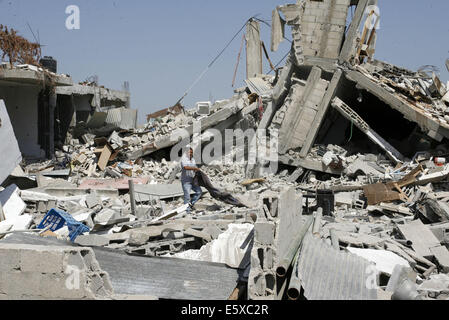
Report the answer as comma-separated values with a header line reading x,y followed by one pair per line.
x,y
253,49
277,30
132,196
324,106
51,124
351,35
282,87
288,131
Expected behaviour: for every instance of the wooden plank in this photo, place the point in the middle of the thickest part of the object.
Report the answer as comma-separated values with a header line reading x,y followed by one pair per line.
x,y
411,177
379,192
423,239
103,160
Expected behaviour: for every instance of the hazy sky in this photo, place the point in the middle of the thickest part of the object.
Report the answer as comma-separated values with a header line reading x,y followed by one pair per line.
x,y
161,47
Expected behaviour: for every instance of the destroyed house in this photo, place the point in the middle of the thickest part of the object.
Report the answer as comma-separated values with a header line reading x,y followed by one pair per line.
x,y
43,105
356,208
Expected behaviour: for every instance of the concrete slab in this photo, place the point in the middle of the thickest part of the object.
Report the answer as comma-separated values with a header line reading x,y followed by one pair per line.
x,y
423,239
9,148
13,205
442,256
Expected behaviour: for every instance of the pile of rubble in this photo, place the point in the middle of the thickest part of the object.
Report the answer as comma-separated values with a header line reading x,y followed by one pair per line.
x,y
350,212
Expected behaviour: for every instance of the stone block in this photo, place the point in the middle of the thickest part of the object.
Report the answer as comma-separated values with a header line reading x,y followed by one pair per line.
x,y
41,260
264,232
9,260
92,240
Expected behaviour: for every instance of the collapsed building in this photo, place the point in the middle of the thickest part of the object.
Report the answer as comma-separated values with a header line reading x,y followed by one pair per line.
x,y
42,105
355,209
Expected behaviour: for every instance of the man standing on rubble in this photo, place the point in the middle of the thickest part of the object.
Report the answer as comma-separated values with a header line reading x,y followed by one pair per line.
x,y
189,169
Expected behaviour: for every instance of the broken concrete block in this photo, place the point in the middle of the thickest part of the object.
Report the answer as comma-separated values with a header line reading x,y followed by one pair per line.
x,y
442,256
198,234
107,217
92,200
92,240
436,283
51,272
42,206
13,205
264,232
213,231
421,236
138,238
173,234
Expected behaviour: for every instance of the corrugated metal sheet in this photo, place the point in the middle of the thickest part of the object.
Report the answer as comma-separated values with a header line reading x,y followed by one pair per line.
x,y
259,86
9,148
122,118
328,274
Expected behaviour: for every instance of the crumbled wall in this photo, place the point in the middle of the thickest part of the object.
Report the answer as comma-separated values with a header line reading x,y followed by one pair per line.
x,y
323,26
21,103
278,220
30,272
318,27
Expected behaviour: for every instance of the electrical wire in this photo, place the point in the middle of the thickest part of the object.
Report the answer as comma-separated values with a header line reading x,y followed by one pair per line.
x,y
268,72
221,53
213,62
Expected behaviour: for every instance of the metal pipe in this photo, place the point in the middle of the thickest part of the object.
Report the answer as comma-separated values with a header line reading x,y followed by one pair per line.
x,y
285,263
317,223
131,196
294,287
407,243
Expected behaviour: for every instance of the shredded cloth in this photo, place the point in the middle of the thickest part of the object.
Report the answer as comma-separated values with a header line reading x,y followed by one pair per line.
x,y
202,180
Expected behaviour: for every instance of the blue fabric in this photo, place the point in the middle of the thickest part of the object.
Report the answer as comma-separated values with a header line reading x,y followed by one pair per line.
x,y
187,187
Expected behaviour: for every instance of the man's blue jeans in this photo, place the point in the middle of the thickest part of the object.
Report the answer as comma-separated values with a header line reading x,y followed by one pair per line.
x,y
187,187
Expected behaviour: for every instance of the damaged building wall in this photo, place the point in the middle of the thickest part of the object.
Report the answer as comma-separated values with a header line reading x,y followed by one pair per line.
x,y
9,148
279,220
253,49
33,272
337,211
42,106
317,27
22,105
300,113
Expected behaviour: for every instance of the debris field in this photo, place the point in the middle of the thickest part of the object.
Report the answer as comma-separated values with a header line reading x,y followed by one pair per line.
x,y
356,207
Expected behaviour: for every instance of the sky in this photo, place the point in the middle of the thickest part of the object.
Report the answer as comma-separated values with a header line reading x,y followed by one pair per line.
x,y
161,47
